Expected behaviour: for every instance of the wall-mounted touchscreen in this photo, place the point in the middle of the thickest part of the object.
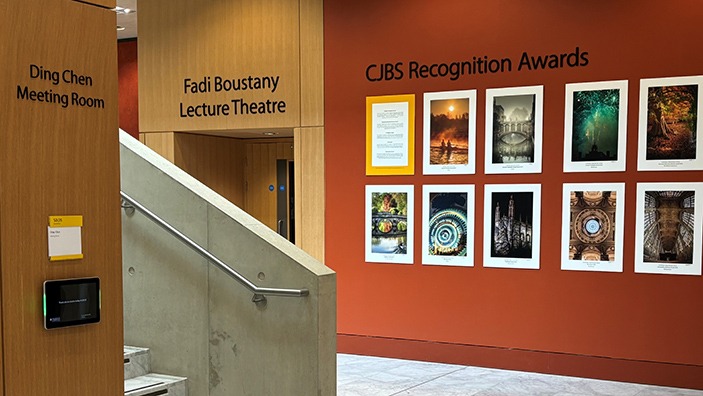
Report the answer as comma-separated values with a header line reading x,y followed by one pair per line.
x,y
71,302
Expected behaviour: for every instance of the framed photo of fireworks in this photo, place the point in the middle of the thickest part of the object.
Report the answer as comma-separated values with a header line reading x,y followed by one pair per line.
x,y
389,224
592,227
669,124
511,226
668,230
514,130
449,133
448,224
595,127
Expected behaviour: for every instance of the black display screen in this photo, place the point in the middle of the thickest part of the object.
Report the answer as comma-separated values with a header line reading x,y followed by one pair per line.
x,y
71,302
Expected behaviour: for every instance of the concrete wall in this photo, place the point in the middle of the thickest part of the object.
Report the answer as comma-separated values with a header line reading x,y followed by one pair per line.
x,y
200,323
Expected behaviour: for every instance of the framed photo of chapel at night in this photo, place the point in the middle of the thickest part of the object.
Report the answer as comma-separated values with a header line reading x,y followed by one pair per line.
x,y
511,226
448,224
449,132
389,224
668,236
592,227
595,127
514,130
669,124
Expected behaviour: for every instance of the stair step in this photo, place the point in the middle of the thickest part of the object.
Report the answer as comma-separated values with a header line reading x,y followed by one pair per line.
x,y
155,385
137,362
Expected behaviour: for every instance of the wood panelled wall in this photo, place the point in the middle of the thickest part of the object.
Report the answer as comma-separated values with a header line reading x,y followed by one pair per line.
x,y
58,160
179,39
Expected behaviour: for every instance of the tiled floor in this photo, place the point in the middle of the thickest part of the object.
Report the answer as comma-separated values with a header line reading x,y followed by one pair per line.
x,y
372,376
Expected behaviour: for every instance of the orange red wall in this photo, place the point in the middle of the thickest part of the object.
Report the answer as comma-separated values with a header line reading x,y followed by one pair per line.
x,y
624,326
128,86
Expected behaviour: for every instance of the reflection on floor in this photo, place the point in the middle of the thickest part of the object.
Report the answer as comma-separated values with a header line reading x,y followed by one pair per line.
x,y
372,376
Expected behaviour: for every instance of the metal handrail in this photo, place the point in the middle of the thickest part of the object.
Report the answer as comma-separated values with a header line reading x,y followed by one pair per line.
x,y
260,293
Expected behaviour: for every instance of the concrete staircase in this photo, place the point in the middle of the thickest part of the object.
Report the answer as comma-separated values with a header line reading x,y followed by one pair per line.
x,y
140,381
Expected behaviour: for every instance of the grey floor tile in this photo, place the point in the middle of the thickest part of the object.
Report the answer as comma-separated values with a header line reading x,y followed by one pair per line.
x,y
372,376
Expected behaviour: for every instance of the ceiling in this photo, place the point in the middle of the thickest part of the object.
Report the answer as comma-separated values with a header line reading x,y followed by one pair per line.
x,y
128,21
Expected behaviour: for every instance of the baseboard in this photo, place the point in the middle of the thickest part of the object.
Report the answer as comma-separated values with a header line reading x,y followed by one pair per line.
x,y
644,372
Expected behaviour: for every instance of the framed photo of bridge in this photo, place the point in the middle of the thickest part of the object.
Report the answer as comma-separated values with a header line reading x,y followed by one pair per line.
x,y
593,223
669,225
448,224
389,224
449,132
514,130
595,127
669,124
511,233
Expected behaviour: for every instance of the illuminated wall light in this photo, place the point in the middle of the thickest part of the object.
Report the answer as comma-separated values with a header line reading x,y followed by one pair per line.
x,y
120,28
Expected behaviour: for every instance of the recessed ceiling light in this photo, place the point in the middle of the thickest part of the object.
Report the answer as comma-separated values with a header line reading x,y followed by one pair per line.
x,y
270,133
120,28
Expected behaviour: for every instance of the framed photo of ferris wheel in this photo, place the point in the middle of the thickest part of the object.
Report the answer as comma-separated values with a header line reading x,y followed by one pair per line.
x,y
448,224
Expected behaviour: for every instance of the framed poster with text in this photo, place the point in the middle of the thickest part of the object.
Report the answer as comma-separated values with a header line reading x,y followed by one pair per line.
x,y
448,224
511,233
593,220
449,133
595,127
390,135
514,130
668,238
389,224
669,124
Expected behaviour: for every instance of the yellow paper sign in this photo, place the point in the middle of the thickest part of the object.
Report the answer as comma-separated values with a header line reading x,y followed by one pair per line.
x,y
64,235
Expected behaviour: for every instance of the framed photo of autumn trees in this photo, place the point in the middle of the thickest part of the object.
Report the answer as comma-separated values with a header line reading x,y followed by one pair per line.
x,y
669,124
595,126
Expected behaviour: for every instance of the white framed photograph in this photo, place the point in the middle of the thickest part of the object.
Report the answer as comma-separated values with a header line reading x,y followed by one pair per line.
x,y
448,224
669,124
389,224
511,226
514,130
668,232
592,227
449,132
595,127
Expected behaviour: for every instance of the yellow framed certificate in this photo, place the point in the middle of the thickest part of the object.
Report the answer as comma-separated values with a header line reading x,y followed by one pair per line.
x,y
390,135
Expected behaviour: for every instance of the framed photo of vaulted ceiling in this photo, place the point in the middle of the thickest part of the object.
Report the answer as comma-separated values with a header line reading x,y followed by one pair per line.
x,y
592,227
595,127
448,224
511,226
514,130
669,124
449,133
668,229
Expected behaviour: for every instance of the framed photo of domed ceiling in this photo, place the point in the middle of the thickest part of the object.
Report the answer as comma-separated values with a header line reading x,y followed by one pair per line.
x,y
511,226
595,127
592,227
514,130
448,224
668,232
